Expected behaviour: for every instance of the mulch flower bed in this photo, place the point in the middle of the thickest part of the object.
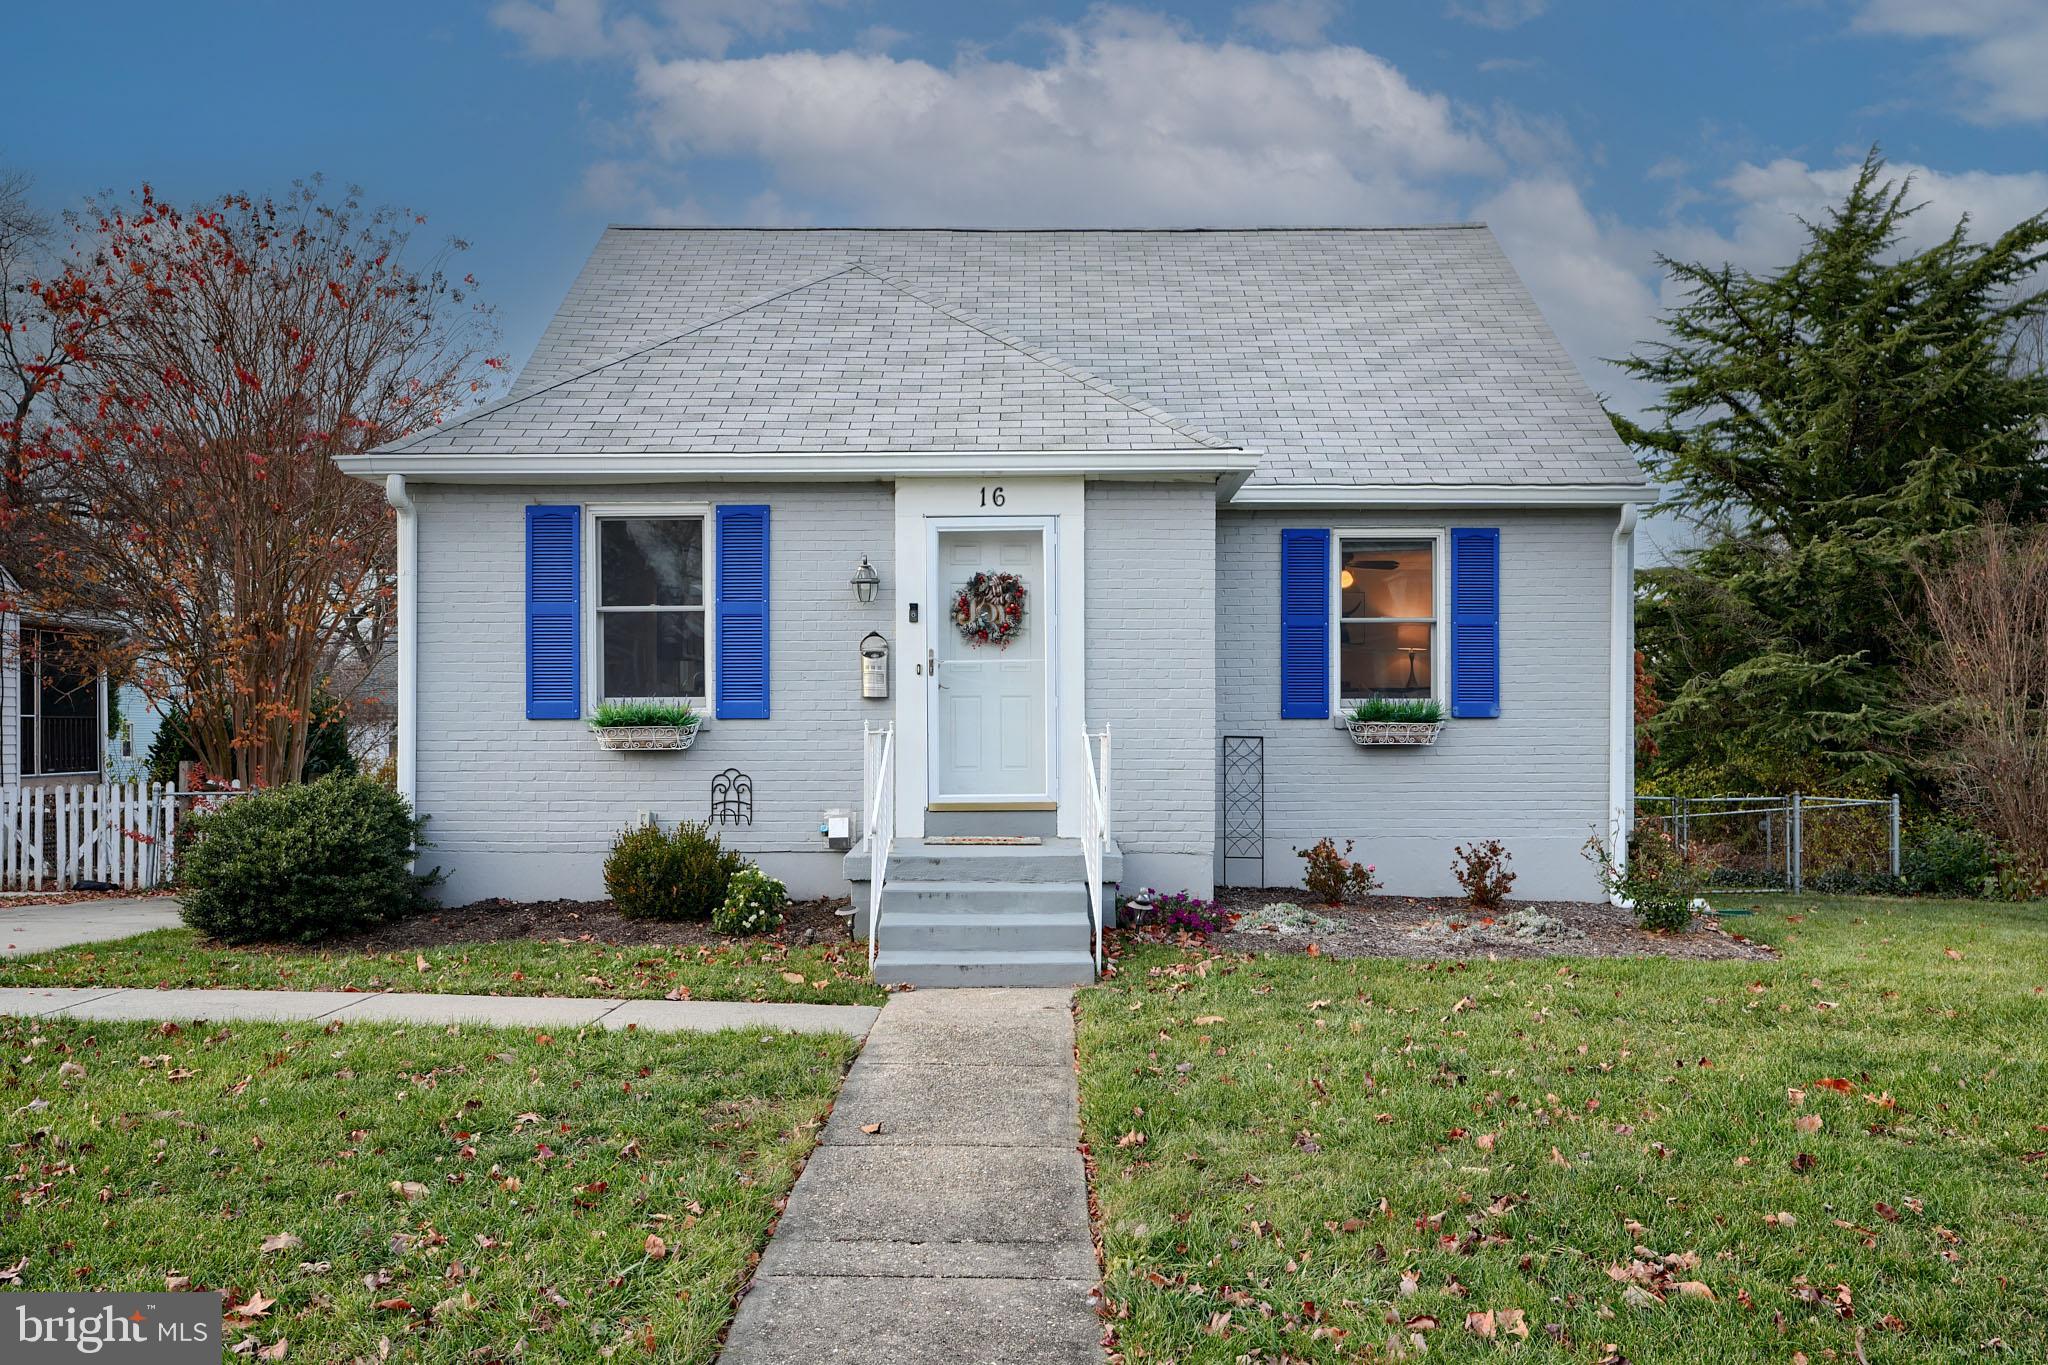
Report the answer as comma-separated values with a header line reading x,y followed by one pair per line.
x,y
1432,928
494,921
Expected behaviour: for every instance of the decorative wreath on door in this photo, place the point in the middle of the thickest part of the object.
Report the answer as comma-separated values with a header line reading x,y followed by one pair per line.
x,y
990,609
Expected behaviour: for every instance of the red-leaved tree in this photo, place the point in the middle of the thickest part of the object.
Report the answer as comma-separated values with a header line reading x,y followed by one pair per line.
x,y
181,488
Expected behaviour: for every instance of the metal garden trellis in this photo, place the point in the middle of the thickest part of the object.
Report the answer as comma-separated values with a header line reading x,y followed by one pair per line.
x,y
1766,833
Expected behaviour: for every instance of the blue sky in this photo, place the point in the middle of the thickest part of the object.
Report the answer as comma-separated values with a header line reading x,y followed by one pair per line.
x,y
1591,135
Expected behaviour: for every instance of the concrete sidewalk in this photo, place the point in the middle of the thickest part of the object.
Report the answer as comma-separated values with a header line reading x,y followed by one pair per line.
x,y
36,928
957,1231
393,1007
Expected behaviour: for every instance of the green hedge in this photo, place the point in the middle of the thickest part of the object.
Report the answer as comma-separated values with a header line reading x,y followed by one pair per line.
x,y
301,863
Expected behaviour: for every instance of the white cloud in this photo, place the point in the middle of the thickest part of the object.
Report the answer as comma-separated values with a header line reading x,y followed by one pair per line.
x,y
596,28
1128,120
1131,120
1295,22
1496,13
1999,49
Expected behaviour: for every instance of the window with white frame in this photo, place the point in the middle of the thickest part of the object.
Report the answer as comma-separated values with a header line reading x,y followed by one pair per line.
x,y
1387,605
60,707
652,629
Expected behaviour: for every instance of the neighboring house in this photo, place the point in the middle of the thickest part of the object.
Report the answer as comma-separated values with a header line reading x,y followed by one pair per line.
x,y
53,706
1245,477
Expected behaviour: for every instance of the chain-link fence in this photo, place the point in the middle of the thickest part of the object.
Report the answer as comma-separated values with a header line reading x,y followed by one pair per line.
x,y
1781,843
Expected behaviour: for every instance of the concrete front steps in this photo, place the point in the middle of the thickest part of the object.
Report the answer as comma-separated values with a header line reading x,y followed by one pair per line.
x,y
984,914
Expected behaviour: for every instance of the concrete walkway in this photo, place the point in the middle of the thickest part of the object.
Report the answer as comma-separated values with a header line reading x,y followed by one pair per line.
x,y
37,928
957,1231
395,1007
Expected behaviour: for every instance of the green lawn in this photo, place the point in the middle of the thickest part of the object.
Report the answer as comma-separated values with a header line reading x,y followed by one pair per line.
x,y
464,1195
741,970
1285,1145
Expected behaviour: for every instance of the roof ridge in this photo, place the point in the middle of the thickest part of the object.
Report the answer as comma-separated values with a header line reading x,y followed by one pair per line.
x,y
1052,362
513,399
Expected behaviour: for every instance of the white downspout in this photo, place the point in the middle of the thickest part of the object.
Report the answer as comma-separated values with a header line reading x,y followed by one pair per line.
x,y
1622,699
408,630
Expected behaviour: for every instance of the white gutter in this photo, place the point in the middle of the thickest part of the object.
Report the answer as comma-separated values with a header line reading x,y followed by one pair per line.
x,y
1445,495
408,630
1621,702
603,467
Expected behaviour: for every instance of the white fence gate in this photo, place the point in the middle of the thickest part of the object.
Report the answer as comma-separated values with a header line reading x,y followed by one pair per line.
x,y
121,833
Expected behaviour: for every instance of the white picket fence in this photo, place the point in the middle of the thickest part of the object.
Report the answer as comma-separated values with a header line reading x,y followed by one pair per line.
x,y
123,833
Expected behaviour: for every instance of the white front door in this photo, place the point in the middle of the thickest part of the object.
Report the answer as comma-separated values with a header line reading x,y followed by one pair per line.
x,y
988,700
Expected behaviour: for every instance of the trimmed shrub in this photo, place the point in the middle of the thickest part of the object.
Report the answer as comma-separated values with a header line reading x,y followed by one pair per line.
x,y
301,863
1482,869
753,904
683,875
1331,877
1948,860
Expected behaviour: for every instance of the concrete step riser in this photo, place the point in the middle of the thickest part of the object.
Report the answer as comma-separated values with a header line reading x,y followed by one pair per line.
x,y
931,976
999,899
1057,866
936,934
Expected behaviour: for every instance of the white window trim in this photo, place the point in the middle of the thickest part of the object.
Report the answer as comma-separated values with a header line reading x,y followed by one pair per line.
x,y
593,641
1439,635
33,656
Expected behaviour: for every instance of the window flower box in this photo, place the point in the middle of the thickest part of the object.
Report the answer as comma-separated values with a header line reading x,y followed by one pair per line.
x,y
1368,734
633,727
1383,721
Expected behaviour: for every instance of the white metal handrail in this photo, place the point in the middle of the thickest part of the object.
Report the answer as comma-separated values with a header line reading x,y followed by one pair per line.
x,y
1095,827
878,828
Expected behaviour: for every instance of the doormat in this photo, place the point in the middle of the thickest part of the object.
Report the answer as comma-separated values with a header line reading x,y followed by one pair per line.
x,y
983,839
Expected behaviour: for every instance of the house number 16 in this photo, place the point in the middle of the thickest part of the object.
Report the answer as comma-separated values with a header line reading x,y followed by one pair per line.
x,y
992,497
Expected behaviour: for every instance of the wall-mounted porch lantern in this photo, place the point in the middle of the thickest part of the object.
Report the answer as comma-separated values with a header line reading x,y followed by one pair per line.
x,y
865,581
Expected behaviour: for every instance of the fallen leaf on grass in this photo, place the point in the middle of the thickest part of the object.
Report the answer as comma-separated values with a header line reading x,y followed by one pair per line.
x,y
793,978
656,1248
1807,1123
275,1350
1202,1019
1780,1220
1635,1296
256,1307
1134,1138
283,1241
408,1190
1694,1289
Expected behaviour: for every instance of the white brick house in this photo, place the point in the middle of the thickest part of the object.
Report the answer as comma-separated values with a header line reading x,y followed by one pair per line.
x,y
1247,478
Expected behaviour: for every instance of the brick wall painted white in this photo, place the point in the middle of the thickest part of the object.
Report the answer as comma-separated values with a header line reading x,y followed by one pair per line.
x,y
1151,561
1535,778
524,809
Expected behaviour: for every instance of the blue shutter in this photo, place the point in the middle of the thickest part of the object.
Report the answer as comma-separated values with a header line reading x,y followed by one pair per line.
x,y
1304,625
1475,621
742,613
554,617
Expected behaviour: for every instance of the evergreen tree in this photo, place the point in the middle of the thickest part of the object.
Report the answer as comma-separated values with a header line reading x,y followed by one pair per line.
x,y
1827,426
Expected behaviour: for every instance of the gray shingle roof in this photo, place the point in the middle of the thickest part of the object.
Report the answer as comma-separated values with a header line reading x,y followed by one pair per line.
x,y
1404,355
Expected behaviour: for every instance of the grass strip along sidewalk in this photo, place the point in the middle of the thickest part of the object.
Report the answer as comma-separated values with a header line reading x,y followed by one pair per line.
x,y
370,1191
831,974
1837,1155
